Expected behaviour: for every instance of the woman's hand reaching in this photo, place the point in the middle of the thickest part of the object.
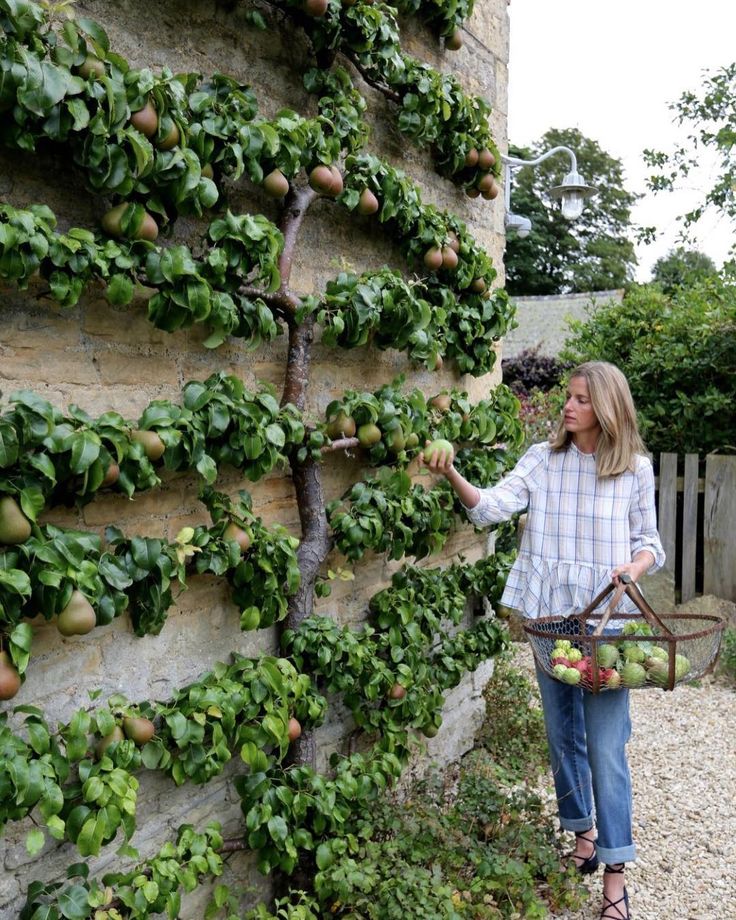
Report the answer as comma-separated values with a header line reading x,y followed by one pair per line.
x,y
437,456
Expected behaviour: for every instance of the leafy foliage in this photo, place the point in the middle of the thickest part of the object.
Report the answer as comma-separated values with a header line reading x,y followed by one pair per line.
x,y
679,352
62,86
710,118
727,662
593,253
682,268
85,793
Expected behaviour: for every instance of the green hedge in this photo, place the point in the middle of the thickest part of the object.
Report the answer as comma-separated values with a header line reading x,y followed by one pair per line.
x,y
679,354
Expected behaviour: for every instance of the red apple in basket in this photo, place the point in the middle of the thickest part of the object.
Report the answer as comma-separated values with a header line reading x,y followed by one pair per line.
x,y
560,659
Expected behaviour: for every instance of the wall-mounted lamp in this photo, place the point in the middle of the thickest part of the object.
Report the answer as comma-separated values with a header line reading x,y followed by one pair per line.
x,y
572,192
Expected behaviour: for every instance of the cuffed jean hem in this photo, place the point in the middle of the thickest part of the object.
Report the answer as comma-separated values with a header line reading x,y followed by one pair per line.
x,y
619,855
577,824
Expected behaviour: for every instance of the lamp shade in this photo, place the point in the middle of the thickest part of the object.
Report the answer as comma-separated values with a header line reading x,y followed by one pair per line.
x,y
572,193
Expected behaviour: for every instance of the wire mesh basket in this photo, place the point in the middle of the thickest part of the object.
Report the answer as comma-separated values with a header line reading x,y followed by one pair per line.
x,y
637,651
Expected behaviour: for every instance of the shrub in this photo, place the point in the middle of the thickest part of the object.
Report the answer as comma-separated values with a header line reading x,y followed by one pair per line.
x,y
529,370
539,413
679,354
727,662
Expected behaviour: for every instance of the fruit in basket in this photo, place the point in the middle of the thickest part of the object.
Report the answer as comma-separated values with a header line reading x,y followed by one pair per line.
x,y
613,681
656,654
634,652
633,674
558,670
564,645
571,676
561,660
637,628
659,672
574,655
607,655
585,667
682,666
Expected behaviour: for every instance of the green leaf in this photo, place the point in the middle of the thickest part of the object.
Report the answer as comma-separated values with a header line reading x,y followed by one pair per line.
x,y
32,502
8,444
16,581
119,290
278,829
73,903
324,857
35,840
275,435
85,450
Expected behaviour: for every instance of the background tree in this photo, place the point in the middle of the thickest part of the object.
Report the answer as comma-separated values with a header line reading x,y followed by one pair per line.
x,y
682,267
593,253
710,115
679,352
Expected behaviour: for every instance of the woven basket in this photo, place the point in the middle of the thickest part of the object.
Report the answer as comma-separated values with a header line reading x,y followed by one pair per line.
x,y
646,651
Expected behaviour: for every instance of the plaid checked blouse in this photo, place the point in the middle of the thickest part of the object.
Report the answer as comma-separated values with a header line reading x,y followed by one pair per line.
x,y
578,527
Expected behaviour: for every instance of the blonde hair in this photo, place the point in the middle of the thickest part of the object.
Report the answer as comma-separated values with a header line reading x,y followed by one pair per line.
x,y
610,397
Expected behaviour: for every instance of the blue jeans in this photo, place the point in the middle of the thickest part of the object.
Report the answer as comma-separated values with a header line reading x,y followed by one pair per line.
x,y
587,735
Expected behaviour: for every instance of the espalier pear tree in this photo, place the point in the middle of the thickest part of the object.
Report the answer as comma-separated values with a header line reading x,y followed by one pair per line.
x,y
152,147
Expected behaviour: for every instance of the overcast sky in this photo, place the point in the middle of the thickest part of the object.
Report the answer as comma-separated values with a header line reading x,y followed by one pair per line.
x,y
610,69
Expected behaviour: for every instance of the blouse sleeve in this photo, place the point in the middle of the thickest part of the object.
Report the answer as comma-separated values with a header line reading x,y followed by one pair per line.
x,y
643,517
511,494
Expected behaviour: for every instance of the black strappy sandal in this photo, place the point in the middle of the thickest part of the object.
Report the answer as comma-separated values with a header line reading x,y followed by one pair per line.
x,y
587,864
609,905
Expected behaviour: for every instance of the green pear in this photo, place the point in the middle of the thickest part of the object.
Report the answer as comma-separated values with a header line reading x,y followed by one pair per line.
x,y
138,729
341,426
9,677
240,536
78,617
153,446
369,434
14,525
104,743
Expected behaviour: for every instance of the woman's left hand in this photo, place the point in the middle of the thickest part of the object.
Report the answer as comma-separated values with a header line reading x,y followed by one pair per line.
x,y
643,562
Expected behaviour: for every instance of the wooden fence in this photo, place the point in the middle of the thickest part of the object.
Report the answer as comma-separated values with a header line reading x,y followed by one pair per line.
x,y
697,524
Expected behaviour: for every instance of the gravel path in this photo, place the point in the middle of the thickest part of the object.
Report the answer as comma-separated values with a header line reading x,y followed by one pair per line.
x,y
683,762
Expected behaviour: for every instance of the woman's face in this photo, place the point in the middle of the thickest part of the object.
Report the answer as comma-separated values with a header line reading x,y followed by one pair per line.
x,y
579,417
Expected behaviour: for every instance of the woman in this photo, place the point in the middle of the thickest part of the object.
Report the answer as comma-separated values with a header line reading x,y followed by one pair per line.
x,y
589,496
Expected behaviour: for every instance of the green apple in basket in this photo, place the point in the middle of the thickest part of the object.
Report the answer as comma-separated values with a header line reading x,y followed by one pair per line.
x,y
634,652
633,675
571,676
656,654
658,672
607,655
682,666
574,655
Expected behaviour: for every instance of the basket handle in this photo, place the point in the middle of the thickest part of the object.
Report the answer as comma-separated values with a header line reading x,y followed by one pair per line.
x,y
630,587
617,595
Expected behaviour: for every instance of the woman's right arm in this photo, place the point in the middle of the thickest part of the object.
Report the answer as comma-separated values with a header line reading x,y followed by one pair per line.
x,y
467,493
510,495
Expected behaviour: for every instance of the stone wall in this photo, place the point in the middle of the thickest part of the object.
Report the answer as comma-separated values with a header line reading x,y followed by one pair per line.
x,y
544,320
101,358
